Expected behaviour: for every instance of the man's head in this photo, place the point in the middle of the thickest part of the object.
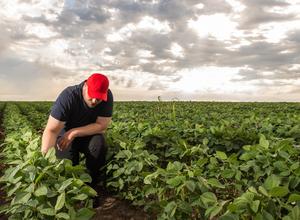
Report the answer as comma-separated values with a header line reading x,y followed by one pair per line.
x,y
95,89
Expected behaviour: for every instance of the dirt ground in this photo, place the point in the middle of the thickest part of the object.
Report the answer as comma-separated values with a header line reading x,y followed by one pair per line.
x,y
113,208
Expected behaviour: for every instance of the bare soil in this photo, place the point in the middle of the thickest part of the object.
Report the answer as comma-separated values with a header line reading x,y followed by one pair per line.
x,y
113,208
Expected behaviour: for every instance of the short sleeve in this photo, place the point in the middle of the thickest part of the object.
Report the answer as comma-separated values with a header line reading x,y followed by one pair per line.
x,y
62,106
106,108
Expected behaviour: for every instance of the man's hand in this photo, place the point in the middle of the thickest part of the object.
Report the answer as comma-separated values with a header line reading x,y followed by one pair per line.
x,y
66,140
50,133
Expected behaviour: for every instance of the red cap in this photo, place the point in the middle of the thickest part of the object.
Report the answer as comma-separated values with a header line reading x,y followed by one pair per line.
x,y
97,86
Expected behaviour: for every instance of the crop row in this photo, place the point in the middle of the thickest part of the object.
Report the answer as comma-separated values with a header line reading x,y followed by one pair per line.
x,y
203,160
36,118
37,186
241,162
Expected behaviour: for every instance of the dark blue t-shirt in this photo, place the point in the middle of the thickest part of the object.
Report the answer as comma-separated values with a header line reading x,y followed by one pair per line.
x,y
71,108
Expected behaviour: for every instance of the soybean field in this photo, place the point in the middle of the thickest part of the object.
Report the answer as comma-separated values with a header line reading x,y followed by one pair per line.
x,y
172,160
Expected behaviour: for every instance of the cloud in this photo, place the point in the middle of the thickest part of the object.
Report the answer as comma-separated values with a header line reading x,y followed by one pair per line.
x,y
133,41
258,12
31,80
4,40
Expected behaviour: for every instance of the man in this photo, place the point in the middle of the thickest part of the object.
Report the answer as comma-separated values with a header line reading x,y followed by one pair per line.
x,y
77,122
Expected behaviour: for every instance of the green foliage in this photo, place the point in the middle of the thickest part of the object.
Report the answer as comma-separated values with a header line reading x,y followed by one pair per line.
x,y
186,160
207,160
37,186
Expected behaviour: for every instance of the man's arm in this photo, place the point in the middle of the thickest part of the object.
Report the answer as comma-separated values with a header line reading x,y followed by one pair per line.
x,y
98,127
50,133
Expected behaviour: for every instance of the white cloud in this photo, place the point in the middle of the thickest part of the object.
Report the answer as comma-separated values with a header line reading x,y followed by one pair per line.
x,y
145,53
39,30
236,5
210,79
275,32
219,26
152,24
177,50
145,24
199,6
14,10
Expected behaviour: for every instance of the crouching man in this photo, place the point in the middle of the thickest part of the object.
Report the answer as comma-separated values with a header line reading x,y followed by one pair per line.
x,y
77,122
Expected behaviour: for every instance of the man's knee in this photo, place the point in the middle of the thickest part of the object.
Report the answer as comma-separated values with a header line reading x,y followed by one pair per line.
x,y
97,145
63,154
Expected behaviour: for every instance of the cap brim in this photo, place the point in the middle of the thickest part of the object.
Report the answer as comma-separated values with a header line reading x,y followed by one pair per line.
x,y
97,95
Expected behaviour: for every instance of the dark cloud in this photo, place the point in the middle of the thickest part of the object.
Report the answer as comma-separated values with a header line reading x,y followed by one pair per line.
x,y
256,13
294,36
25,73
157,86
212,7
23,80
274,75
4,40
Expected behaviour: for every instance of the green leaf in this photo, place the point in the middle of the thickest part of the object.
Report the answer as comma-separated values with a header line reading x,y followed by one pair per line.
x,y
295,214
284,154
213,211
174,166
214,182
170,208
78,183
221,155
263,216
12,191
271,182
259,217
295,166
65,184
89,191
30,188
86,178
60,202
41,191
50,156
40,176
185,207
280,165
191,173
84,214
255,205
81,197
246,156
14,172
48,211
229,216
190,185
267,216
175,181
72,213
263,191
294,197
263,142
62,215
279,191
21,198
228,173
208,198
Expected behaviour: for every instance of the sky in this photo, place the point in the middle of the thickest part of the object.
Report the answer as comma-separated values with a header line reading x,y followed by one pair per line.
x,y
199,50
